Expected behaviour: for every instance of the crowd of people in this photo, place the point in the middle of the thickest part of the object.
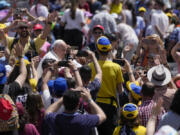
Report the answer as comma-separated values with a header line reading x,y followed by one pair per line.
x,y
89,67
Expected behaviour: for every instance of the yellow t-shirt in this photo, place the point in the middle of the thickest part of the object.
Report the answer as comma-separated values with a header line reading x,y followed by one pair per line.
x,y
140,130
116,8
111,76
37,41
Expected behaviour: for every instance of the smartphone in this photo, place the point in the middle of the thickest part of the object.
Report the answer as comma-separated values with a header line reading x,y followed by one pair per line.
x,y
63,64
82,54
121,62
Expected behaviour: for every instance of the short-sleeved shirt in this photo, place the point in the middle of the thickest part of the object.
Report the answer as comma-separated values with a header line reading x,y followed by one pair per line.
x,y
73,23
140,130
37,41
68,124
111,76
175,34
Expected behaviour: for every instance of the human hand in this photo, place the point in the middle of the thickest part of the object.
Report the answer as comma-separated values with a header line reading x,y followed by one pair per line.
x,y
18,50
72,66
157,108
85,94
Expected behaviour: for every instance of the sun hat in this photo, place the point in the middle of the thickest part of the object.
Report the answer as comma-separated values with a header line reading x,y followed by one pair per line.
x,y
130,111
142,9
37,27
159,75
98,27
60,86
3,77
103,44
135,89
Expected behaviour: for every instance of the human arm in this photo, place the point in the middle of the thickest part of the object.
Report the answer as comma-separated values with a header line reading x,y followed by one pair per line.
x,y
96,65
95,109
54,107
129,71
34,71
156,110
18,49
174,53
7,16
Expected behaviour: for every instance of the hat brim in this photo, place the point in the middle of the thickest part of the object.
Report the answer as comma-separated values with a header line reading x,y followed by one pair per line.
x,y
159,83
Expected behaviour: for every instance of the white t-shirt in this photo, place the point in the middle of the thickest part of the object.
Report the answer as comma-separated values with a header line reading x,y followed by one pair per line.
x,y
46,97
160,19
41,11
73,23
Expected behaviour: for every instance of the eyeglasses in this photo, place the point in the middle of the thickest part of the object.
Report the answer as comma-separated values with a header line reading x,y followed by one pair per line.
x,y
97,32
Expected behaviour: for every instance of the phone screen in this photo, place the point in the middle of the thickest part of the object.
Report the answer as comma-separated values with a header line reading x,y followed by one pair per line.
x,y
121,62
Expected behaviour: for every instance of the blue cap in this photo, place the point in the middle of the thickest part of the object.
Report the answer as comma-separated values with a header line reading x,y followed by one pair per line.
x,y
60,86
103,44
130,111
51,86
3,77
4,4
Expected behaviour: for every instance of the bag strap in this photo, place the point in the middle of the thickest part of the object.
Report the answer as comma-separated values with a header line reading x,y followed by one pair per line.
x,y
13,43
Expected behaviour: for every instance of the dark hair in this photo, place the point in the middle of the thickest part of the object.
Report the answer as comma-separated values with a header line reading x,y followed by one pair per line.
x,y
148,89
15,73
176,102
129,122
160,3
74,5
71,100
46,62
34,104
71,83
177,5
85,72
111,36
130,6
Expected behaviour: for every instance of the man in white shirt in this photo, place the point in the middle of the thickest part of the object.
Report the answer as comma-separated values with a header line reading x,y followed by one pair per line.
x,y
159,20
57,53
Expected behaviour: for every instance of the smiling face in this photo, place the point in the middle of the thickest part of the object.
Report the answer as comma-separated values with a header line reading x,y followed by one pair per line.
x,y
24,31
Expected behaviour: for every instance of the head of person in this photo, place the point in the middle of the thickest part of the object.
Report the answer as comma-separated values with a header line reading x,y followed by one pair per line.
x,y
135,92
34,104
159,75
142,11
23,29
175,103
159,4
113,39
60,48
129,115
148,89
98,31
37,29
85,72
60,86
103,46
71,100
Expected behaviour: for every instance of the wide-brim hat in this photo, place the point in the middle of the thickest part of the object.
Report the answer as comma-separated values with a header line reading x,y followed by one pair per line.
x,y
159,75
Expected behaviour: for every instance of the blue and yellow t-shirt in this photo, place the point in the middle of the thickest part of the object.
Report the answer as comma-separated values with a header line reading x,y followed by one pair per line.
x,y
112,75
140,130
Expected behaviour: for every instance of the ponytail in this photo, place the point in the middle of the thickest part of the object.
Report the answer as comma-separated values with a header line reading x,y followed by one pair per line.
x,y
74,4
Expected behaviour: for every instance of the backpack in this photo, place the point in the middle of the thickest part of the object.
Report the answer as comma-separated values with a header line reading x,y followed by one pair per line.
x,y
31,52
8,114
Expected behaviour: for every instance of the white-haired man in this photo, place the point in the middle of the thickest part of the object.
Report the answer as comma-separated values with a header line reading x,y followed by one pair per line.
x,y
57,53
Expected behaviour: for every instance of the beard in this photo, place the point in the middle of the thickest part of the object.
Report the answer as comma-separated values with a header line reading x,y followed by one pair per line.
x,y
24,34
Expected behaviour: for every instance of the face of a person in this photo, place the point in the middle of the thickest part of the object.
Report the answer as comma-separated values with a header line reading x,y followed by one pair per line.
x,y
23,31
37,32
61,50
97,33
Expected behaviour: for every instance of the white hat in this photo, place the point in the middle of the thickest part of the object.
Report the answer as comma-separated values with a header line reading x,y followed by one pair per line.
x,y
159,75
166,130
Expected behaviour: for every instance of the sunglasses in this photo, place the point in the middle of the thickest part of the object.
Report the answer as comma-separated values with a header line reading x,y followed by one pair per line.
x,y
97,32
23,27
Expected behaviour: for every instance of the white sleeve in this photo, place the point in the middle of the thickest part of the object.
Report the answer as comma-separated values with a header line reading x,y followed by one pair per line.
x,y
63,19
46,97
82,19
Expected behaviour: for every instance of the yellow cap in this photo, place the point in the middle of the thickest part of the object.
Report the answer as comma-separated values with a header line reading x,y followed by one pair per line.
x,y
169,14
142,9
33,83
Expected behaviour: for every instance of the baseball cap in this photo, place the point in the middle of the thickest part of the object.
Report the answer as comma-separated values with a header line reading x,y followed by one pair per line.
x,y
135,90
60,86
142,9
38,27
103,44
3,77
51,86
5,109
130,111
98,27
